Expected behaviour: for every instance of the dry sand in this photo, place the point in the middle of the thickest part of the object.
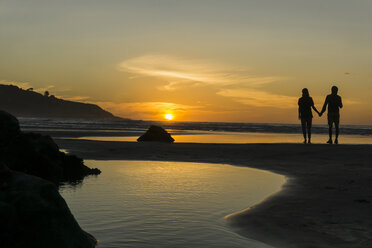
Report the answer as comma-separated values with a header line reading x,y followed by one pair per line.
x,y
326,202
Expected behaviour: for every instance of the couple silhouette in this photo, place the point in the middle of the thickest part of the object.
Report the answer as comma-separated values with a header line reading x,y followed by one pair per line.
x,y
306,103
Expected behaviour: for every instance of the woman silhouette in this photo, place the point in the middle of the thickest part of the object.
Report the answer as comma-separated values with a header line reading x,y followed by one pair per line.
x,y
305,103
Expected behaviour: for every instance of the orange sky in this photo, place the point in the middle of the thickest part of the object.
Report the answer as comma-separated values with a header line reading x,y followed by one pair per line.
x,y
237,61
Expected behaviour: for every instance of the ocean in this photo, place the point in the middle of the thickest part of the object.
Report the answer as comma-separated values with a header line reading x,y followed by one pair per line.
x,y
194,132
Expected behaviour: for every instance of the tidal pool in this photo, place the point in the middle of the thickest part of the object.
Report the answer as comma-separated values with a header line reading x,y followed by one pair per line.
x,y
167,204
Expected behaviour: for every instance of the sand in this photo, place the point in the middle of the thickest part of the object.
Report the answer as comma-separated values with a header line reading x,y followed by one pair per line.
x,y
326,201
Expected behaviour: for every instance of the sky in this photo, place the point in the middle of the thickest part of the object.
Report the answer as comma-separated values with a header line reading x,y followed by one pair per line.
x,y
200,60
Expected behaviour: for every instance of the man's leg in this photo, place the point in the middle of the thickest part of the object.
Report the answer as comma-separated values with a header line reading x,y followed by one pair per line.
x,y
330,123
337,131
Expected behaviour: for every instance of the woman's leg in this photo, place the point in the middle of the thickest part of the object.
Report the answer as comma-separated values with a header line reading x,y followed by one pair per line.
x,y
303,125
309,124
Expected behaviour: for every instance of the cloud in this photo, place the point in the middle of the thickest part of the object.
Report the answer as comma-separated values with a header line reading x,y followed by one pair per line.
x,y
22,85
347,73
350,101
26,85
75,98
259,98
47,88
146,110
177,72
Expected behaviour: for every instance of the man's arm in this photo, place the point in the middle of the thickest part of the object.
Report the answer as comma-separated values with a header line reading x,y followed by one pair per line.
x,y
324,106
340,105
299,111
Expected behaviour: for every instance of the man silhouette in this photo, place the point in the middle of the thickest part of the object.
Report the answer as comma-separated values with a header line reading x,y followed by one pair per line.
x,y
334,103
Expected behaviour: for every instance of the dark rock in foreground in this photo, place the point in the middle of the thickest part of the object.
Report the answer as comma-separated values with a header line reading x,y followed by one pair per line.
x,y
34,215
38,154
9,127
156,133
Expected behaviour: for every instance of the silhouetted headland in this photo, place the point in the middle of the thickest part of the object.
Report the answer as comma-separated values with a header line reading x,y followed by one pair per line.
x,y
28,103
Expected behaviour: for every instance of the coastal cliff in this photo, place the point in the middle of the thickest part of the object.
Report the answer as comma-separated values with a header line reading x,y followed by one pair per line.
x,y
28,103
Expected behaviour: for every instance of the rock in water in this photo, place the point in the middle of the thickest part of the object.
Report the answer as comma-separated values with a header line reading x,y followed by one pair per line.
x,y
34,215
156,133
38,154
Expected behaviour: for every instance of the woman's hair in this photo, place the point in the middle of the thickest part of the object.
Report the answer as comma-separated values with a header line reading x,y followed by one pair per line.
x,y
305,92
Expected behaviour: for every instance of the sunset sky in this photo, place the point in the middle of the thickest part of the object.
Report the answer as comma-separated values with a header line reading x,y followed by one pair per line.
x,y
200,60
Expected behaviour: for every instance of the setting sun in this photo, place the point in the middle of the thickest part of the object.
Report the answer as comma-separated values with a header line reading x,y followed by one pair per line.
x,y
168,117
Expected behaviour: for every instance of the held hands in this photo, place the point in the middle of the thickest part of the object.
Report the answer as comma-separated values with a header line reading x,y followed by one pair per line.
x,y
319,113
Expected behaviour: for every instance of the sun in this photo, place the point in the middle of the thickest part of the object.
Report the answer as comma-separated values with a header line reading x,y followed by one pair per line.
x,y
169,117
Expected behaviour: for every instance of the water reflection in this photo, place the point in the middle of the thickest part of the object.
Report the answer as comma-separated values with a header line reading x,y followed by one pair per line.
x,y
167,204
241,138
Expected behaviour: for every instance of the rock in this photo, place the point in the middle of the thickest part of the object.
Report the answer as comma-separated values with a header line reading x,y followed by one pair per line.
x,y
9,127
156,133
38,155
74,168
34,215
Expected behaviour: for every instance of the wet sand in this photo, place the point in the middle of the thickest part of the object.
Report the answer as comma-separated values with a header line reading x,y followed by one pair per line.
x,y
326,202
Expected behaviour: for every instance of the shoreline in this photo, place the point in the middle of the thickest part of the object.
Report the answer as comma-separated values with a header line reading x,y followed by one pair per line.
x,y
199,136
324,203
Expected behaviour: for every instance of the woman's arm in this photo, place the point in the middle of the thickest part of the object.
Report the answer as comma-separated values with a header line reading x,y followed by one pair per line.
x,y
312,105
315,109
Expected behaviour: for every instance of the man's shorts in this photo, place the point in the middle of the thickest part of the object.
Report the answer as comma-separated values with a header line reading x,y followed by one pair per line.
x,y
333,118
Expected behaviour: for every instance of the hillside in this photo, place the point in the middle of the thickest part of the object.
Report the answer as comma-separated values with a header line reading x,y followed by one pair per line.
x,y
28,103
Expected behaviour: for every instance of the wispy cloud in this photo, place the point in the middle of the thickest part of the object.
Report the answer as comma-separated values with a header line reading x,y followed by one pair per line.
x,y
177,72
146,110
75,98
23,85
259,98
345,101
26,85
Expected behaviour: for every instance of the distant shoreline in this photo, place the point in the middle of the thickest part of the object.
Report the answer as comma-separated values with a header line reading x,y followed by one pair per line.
x,y
326,202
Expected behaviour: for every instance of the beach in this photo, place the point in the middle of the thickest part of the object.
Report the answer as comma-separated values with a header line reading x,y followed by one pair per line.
x,y
326,201
88,89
